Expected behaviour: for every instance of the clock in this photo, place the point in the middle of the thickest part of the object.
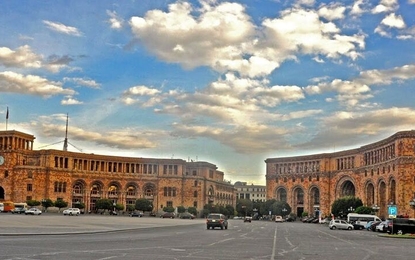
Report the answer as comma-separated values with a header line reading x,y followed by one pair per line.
x,y
1,160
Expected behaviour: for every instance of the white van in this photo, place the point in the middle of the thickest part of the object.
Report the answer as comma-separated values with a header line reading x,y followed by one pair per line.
x,y
1,207
361,219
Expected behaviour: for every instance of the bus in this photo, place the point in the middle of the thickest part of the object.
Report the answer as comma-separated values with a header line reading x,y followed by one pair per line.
x,y
361,219
6,206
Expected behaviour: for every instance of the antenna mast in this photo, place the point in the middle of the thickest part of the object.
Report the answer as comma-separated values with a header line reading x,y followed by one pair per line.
x,y
65,142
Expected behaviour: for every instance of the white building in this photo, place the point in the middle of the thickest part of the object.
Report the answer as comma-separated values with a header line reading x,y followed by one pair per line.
x,y
252,192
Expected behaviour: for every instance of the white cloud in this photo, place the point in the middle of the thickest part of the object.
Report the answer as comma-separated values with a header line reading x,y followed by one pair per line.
x,y
332,11
22,57
84,82
385,6
61,28
30,84
393,20
70,101
115,21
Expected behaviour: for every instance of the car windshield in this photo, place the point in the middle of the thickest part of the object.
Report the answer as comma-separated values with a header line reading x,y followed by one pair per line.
x,y
214,216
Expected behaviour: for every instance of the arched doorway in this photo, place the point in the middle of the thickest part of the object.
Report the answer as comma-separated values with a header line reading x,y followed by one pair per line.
x,y
298,200
1,193
314,200
281,194
347,189
370,194
383,202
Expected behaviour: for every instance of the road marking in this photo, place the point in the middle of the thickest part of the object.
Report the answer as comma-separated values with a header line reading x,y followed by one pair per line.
x,y
274,245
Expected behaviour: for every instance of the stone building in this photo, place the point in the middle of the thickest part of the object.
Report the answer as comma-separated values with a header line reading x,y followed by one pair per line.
x,y
79,177
381,174
251,192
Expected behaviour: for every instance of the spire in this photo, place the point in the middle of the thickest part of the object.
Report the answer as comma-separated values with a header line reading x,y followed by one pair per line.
x,y
65,142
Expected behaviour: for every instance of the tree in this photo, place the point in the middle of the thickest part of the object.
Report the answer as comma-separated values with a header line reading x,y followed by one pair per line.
x,y
342,206
230,209
119,206
32,203
105,204
144,205
267,207
47,203
130,207
168,209
364,210
181,209
244,207
60,204
79,205
192,210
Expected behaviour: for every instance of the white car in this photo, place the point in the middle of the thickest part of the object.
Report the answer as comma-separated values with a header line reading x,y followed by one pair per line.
x,y
72,211
340,224
279,219
33,211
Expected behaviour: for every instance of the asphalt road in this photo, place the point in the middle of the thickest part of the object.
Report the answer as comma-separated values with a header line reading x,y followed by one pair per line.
x,y
154,238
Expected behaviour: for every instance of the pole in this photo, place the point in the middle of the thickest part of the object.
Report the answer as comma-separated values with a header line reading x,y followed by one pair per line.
x,y
7,117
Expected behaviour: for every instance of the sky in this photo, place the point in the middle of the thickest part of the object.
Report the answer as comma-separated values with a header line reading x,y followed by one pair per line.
x,y
228,82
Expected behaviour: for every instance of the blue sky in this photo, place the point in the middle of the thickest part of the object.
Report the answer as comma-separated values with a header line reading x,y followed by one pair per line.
x,y
228,82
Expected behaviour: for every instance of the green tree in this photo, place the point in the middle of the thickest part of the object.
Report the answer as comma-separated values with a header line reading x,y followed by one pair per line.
x,y
119,206
244,207
144,205
267,207
47,203
104,204
130,207
32,203
342,206
79,205
230,209
168,209
60,204
181,209
364,210
192,210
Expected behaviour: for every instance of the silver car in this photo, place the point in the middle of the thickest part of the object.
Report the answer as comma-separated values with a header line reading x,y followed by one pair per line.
x,y
340,224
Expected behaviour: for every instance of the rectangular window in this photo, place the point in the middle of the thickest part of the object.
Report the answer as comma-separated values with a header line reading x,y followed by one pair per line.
x,y
169,203
29,187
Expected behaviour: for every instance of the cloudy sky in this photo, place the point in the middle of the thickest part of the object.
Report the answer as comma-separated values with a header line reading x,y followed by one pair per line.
x,y
228,82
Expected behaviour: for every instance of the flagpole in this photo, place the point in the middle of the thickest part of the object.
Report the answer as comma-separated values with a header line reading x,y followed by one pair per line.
x,y
7,117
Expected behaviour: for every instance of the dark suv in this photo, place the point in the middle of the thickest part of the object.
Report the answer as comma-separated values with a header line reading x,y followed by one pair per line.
x,y
216,220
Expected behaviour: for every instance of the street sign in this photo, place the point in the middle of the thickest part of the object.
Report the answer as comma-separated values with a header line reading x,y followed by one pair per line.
x,y
392,211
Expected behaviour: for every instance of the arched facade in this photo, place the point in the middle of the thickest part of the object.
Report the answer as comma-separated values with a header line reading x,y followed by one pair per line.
x,y
85,178
380,174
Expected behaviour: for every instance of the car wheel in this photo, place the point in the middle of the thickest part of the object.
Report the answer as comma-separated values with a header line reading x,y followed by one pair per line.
x,y
70,214
226,227
221,227
207,227
333,227
349,228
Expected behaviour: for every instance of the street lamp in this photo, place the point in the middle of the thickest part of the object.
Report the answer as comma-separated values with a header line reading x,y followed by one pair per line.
x,y
375,208
283,212
412,204
351,209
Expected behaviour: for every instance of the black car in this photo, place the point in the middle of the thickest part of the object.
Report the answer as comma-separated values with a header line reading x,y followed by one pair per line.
x,y
136,214
216,220
248,219
168,215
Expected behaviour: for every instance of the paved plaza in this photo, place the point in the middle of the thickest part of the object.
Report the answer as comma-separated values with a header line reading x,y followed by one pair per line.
x,y
54,223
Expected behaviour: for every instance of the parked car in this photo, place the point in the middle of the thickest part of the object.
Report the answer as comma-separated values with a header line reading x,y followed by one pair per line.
x,y
33,211
168,215
19,210
340,224
216,220
325,221
72,211
279,219
373,225
237,217
384,226
248,219
137,214
186,215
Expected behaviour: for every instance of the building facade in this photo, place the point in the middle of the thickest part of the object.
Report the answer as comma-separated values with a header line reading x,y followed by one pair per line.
x,y
251,192
84,178
381,174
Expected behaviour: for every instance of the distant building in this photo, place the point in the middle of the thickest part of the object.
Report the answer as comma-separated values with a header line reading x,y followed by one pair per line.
x,y
251,192
27,174
381,174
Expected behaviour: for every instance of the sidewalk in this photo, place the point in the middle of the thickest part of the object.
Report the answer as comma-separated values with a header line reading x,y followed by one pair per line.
x,y
54,224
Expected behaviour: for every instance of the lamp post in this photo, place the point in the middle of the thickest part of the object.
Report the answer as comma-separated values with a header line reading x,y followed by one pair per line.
x,y
412,204
284,210
375,208
43,205
351,209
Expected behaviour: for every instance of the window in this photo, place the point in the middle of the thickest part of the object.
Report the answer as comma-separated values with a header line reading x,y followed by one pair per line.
x,y
195,184
60,186
29,187
195,194
195,204
169,203
29,174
